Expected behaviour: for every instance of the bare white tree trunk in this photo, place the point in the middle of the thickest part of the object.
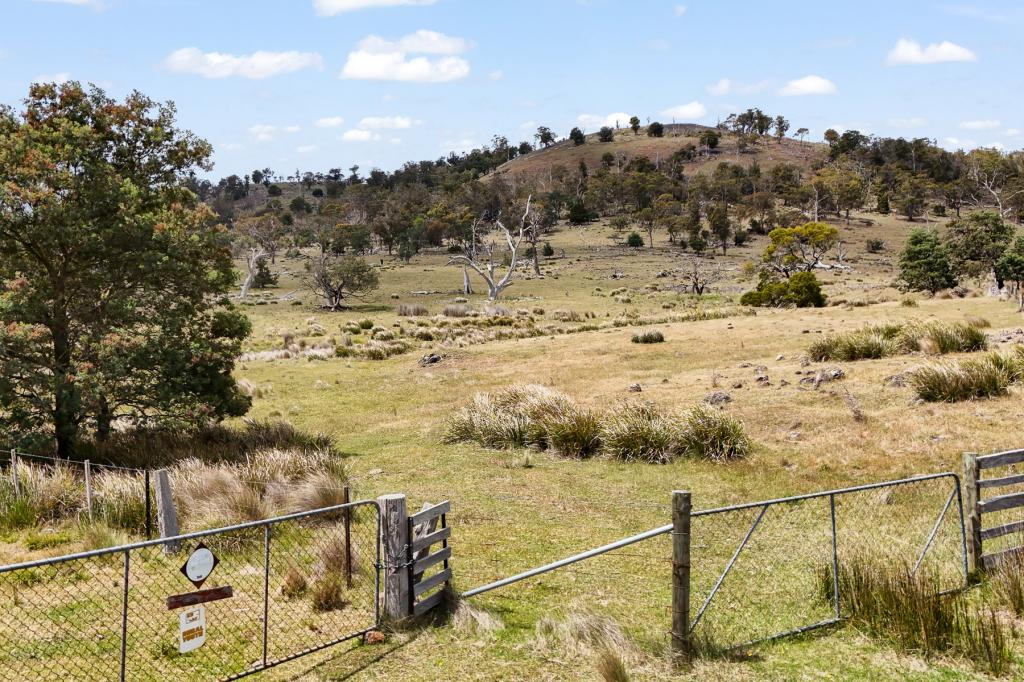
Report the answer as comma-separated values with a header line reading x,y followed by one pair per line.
x,y
487,270
252,259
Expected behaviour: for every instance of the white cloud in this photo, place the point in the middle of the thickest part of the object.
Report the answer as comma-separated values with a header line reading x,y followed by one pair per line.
x,y
291,129
306,148
959,143
256,65
679,10
58,78
330,8
378,59
329,122
528,125
94,4
726,86
912,122
386,123
263,132
912,52
982,124
230,147
592,121
1013,132
999,146
459,145
496,75
359,136
808,85
687,112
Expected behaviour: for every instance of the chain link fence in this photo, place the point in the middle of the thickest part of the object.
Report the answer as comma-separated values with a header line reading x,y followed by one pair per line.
x,y
762,570
300,583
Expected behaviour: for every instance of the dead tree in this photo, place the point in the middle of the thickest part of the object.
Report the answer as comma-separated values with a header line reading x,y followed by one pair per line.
x,y
486,269
253,256
700,273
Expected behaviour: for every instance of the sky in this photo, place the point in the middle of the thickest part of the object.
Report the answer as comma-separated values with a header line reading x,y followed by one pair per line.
x,y
318,84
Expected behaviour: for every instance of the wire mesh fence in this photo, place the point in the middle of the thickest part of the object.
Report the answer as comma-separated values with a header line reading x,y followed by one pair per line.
x,y
36,486
764,569
299,583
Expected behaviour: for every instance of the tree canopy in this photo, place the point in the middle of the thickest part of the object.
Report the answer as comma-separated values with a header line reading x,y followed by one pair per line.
x,y
111,272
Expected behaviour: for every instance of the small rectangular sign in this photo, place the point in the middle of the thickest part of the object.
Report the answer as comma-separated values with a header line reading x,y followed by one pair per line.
x,y
191,629
177,601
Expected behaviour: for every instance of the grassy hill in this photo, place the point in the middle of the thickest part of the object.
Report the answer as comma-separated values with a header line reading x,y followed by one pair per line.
x,y
659,149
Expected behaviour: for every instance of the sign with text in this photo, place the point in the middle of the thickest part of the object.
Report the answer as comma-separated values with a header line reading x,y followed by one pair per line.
x,y
191,629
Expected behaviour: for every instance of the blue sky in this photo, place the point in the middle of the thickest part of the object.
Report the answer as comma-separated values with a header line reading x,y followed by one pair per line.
x,y
314,84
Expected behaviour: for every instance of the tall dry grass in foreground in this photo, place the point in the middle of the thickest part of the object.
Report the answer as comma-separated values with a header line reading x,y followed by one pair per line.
x,y
908,613
545,419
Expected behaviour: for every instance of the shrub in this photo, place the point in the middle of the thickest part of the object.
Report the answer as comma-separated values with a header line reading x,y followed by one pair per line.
x,y
711,434
802,290
547,250
412,310
639,432
967,380
875,246
455,310
649,336
634,240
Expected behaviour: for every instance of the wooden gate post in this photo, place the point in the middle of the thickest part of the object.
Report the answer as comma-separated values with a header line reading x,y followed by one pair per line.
x,y
88,488
681,644
14,473
972,514
394,529
167,515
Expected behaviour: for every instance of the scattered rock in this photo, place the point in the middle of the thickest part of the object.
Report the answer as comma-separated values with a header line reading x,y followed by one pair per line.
x,y
375,637
762,380
783,382
805,331
738,384
780,358
430,359
718,398
744,365
761,370
824,376
635,388
617,274
663,273
896,380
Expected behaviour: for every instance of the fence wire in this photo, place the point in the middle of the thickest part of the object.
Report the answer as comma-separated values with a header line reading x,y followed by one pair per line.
x,y
298,586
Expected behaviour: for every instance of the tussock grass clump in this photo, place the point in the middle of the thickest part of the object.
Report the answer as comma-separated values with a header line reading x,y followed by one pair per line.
x,y
895,338
712,434
539,417
580,632
640,432
455,310
649,336
567,316
906,611
412,310
328,593
952,382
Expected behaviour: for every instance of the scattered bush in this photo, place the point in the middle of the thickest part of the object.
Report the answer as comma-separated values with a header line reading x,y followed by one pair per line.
x,y
875,246
895,338
802,290
649,336
412,310
455,310
634,240
536,416
967,380
365,324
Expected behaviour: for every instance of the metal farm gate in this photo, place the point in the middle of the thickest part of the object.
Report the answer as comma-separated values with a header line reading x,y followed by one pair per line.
x,y
276,590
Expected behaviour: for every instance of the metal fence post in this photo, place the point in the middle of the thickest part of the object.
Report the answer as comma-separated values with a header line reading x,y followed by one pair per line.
x,y
348,537
973,509
395,542
681,507
124,616
266,589
835,557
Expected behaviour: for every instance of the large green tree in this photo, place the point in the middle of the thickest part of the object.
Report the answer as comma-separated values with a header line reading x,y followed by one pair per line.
x,y
924,264
976,242
112,274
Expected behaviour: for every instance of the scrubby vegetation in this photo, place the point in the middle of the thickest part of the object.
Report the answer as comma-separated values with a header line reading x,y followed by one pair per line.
x,y
895,338
649,336
986,377
802,290
908,612
539,417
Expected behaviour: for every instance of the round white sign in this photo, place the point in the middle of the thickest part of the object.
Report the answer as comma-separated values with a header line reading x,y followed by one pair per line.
x,y
199,565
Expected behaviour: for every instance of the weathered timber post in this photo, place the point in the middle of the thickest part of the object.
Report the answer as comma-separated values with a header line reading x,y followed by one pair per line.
x,y
88,488
14,473
394,528
681,644
167,515
972,515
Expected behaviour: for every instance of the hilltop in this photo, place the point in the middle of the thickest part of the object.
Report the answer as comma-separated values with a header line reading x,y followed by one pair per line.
x,y
678,138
